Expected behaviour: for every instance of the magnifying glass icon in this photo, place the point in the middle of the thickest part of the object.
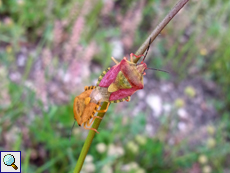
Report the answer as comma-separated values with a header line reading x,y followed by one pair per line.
x,y
9,160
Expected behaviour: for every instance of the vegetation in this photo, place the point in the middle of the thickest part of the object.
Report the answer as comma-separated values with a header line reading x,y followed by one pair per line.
x,y
50,50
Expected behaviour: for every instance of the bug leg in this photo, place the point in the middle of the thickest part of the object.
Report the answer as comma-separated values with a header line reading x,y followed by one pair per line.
x,y
116,62
90,128
101,111
128,99
137,56
89,123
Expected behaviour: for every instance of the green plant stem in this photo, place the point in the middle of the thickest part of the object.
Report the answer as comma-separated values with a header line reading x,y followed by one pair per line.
x,y
89,140
140,51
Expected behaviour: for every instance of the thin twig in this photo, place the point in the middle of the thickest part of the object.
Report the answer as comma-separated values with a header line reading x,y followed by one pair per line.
x,y
160,27
140,51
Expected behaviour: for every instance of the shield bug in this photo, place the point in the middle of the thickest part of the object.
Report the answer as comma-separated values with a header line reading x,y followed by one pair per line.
x,y
124,79
86,105
116,84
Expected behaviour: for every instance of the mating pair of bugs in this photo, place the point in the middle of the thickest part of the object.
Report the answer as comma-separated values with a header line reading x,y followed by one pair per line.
x,y
116,84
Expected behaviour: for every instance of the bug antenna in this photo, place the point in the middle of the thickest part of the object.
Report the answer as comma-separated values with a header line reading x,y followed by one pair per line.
x,y
158,70
71,130
147,50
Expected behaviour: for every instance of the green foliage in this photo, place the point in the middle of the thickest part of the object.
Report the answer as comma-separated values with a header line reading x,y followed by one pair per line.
x,y
199,48
24,17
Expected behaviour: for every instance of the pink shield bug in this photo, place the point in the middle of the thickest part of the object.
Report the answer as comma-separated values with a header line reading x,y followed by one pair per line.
x,y
124,79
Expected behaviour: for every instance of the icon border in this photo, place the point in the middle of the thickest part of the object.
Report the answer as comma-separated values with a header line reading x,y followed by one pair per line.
x,y
20,161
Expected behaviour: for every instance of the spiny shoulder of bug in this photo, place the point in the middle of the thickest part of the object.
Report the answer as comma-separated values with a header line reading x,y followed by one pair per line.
x,y
140,67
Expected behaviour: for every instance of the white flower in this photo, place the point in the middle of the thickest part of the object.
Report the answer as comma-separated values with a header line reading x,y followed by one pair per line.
x,y
120,151
115,151
89,167
203,159
211,142
107,169
203,51
130,166
190,91
141,139
111,150
88,158
132,147
133,165
101,147
21,2
140,170
211,130
207,169
76,131
179,102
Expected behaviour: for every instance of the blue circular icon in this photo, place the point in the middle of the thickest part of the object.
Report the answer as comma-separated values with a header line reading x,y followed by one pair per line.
x,y
8,159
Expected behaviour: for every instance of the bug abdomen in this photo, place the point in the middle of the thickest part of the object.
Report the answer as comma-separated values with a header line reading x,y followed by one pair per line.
x,y
122,93
109,77
89,112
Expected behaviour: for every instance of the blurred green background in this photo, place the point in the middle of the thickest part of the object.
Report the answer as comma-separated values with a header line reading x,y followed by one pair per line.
x,y
50,50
